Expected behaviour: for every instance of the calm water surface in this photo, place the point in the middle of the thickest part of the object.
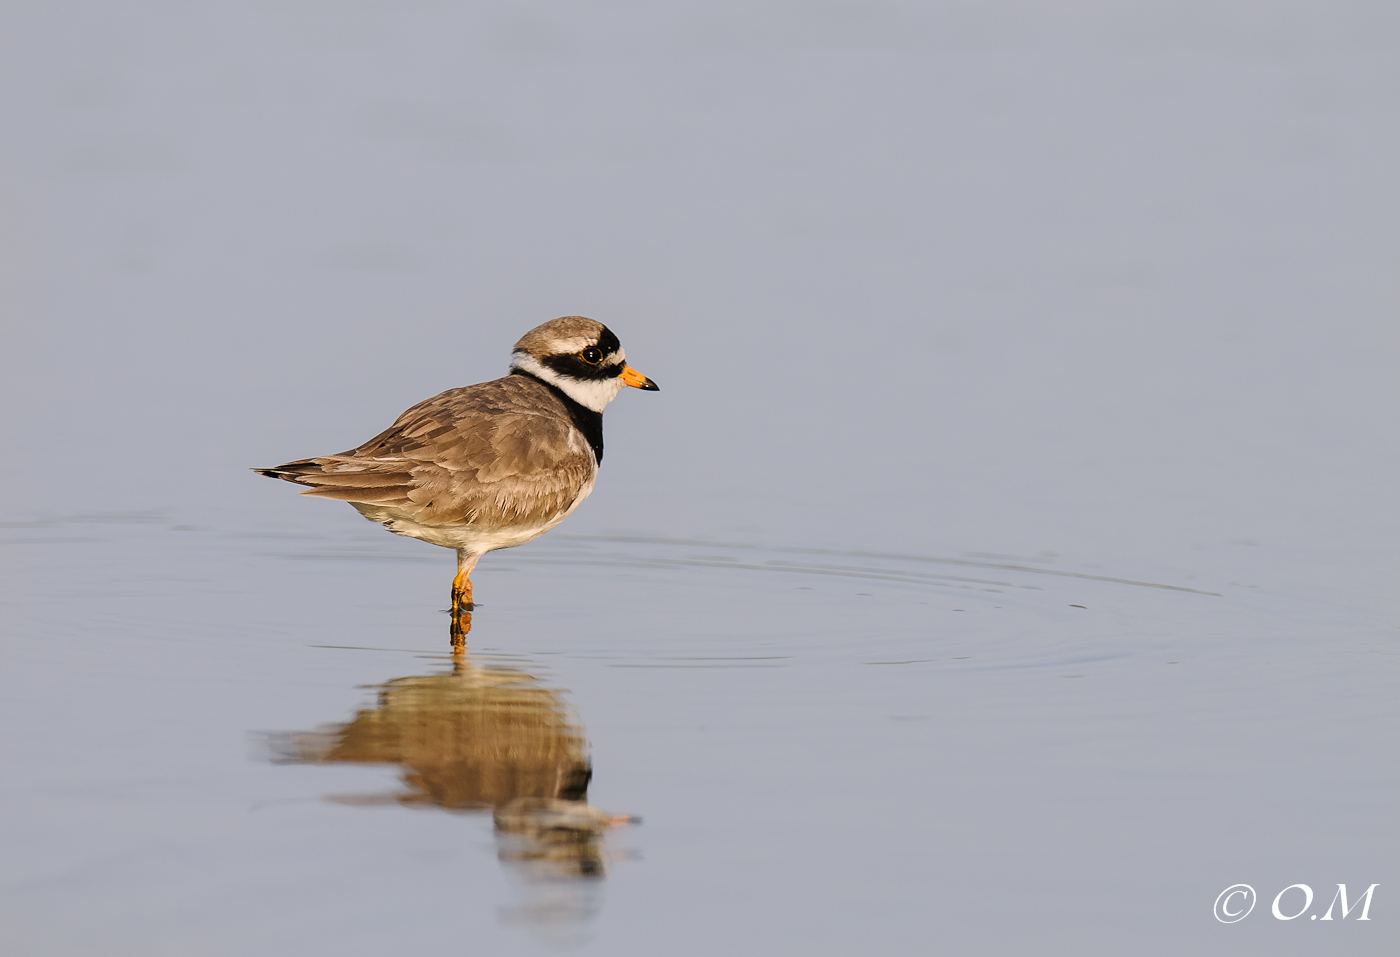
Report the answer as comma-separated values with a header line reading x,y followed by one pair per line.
x,y
229,737
1007,566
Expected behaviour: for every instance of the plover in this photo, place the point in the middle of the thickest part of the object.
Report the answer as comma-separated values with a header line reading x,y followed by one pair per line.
x,y
491,465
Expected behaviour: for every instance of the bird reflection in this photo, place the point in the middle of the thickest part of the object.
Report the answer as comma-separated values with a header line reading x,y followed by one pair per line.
x,y
461,627
477,738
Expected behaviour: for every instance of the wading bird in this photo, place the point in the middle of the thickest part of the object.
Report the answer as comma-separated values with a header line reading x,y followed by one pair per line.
x,y
491,465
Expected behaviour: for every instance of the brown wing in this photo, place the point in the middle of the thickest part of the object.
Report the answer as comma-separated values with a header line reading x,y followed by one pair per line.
x,y
493,454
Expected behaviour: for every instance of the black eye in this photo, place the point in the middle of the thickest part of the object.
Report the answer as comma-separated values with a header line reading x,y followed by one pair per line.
x,y
591,355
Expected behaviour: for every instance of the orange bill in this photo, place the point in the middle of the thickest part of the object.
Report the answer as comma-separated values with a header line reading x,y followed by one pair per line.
x,y
636,380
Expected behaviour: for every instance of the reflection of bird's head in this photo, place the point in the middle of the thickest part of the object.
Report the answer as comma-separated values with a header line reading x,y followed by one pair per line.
x,y
581,357
554,837
555,820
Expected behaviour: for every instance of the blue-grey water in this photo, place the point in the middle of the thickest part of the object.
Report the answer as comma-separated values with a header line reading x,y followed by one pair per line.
x,y
1007,566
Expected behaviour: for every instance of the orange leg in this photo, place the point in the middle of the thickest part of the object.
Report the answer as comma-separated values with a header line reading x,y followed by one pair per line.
x,y
462,604
462,584
462,591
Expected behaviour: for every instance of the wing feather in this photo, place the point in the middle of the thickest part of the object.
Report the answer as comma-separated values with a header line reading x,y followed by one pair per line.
x,y
489,455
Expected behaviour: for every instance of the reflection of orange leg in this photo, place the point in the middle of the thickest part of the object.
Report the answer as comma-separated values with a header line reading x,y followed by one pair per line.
x,y
461,625
462,597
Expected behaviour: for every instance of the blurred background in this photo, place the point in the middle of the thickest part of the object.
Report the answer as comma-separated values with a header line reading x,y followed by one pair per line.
x,y
1111,285
1105,276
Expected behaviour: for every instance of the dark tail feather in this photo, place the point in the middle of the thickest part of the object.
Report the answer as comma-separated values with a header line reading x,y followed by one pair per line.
x,y
291,471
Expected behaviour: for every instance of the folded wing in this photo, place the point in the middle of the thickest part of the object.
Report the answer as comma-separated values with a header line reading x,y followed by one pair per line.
x,y
487,455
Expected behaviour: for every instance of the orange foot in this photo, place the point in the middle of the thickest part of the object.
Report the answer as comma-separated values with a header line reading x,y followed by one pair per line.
x,y
461,593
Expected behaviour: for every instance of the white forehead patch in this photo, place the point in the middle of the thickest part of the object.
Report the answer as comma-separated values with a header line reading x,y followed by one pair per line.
x,y
576,344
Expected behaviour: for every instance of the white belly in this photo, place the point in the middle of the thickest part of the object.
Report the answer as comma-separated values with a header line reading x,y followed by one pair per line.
x,y
475,540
